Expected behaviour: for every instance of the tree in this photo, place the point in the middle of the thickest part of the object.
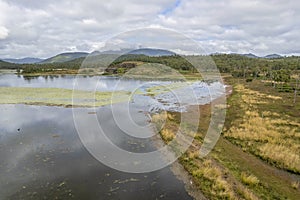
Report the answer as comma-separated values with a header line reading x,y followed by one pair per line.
x,y
282,75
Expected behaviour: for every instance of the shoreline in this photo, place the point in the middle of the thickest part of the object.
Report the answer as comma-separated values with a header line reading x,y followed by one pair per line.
x,y
178,168
222,162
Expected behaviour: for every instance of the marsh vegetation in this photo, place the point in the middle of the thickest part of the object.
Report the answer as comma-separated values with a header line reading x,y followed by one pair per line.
x,y
257,156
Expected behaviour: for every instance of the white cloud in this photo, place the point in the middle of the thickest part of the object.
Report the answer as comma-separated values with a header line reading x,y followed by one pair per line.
x,y
44,28
3,32
89,21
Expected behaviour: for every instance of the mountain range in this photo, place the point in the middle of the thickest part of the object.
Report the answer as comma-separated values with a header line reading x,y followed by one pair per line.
x,y
26,60
65,57
251,55
273,56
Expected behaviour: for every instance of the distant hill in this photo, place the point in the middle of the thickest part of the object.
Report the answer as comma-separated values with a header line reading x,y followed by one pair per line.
x,y
27,60
65,57
273,56
110,52
152,52
7,65
143,51
250,55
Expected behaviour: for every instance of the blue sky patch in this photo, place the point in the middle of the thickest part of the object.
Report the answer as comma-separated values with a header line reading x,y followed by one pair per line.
x,y
171,8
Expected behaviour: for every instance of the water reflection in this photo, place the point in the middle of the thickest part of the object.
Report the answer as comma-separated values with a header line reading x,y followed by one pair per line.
x,y
103,83
198,93
41,157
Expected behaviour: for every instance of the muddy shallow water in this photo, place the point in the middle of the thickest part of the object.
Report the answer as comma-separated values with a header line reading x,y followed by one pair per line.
x,y
42,157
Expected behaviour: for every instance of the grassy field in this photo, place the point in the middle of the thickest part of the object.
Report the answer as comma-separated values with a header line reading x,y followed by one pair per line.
x,y
257,156
269,133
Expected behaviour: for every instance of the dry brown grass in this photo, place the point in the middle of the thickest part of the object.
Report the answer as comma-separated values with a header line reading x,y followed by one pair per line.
x,y
220,188
208,175
221,185
249,179
267,134
167,135
159,120
164,123
283,155
295,184
247,194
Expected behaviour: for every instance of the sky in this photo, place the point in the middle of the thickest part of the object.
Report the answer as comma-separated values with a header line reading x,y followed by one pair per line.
x,y
43,28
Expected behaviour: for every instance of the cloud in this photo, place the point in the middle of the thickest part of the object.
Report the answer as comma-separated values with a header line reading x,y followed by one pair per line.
x,y
45,28
3,32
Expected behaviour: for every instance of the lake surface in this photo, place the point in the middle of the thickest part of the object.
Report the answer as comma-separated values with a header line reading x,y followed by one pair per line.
x,y
42,156
104,83
197,93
